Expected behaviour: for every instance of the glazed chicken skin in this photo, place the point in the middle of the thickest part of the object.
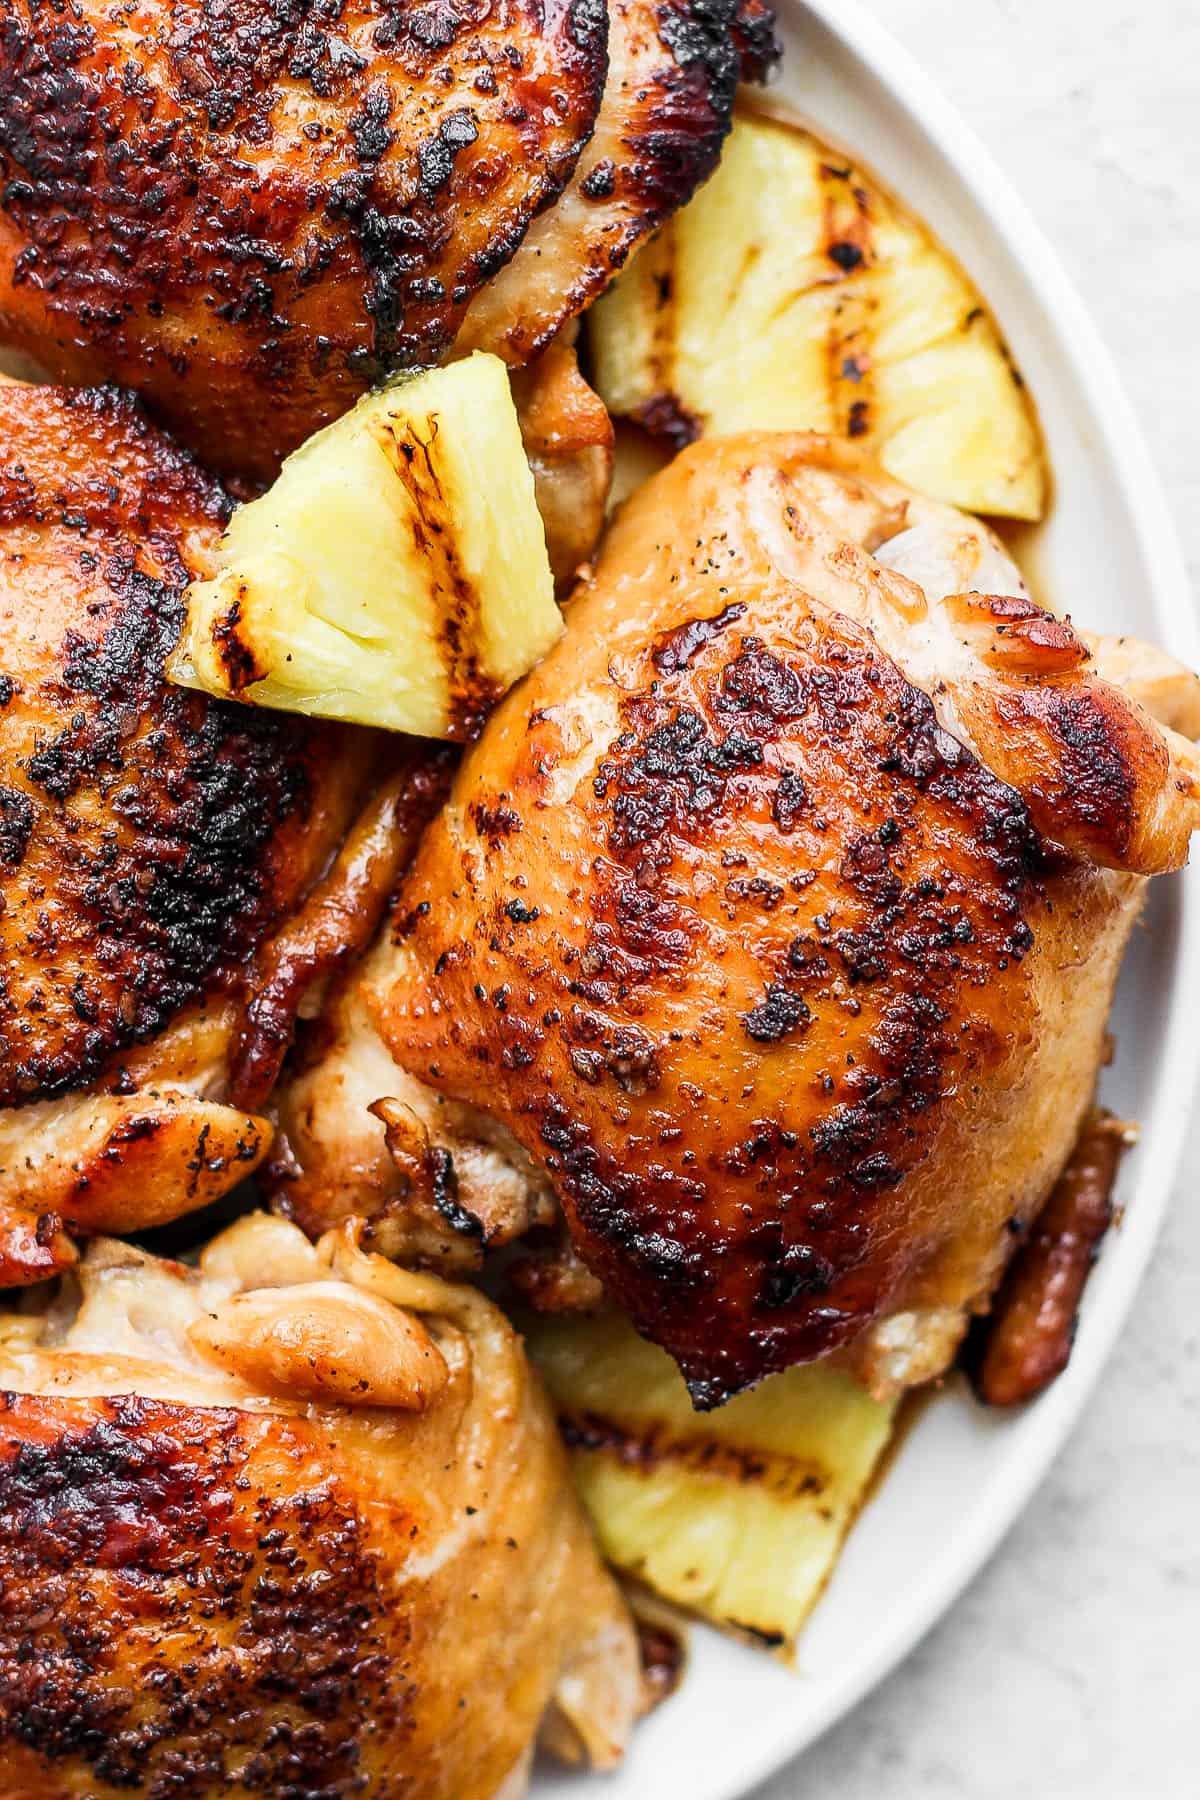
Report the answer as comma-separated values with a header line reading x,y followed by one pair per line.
x,y
250,213
152,843
775,917
267,1538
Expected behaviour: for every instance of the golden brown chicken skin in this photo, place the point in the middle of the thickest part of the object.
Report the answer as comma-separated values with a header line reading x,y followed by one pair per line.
x,y
796,999
249,212
312,1538
150,841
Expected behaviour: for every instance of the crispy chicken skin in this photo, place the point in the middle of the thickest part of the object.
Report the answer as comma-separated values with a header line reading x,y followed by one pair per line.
x,y
151,842
672,74
250,212
268,1539
776,915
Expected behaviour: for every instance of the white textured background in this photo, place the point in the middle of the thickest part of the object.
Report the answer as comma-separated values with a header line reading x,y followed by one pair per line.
x,y
1071,1669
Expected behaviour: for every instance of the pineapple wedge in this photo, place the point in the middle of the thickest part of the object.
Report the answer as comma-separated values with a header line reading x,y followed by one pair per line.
x,y
737,1515
395,574
794,293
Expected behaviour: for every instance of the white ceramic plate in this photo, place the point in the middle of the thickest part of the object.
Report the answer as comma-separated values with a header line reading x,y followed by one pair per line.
x,y
1108,556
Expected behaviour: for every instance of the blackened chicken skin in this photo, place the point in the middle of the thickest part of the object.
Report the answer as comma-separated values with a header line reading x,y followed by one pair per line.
x,y
151,841
266,1539
249,212
776,915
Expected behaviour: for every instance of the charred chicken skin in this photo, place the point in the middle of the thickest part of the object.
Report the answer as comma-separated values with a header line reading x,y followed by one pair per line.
x,y
250,213
267,1538
775,918
152,843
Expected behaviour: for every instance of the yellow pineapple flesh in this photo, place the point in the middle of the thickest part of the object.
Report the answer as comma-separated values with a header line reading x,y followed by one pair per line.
x,y
794,293
737,1515
396,572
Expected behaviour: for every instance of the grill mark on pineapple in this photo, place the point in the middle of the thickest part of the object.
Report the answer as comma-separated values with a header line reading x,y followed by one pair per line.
x,y
664,417
652,1447
234,648
471,691
849,254
846,254
662,413
666,309
751,257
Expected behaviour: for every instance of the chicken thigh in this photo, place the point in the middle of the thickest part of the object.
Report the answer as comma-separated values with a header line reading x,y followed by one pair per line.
x,y
292,1522
153,844
775,919
251,212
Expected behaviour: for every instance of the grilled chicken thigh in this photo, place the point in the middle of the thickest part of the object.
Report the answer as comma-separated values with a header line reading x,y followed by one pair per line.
x,y
774,919
152,843
250,214
291,1522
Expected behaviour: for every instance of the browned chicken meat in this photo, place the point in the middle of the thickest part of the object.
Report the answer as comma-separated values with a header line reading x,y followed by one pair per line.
x,y
772,923
152,843
568,439
292,1522
250,212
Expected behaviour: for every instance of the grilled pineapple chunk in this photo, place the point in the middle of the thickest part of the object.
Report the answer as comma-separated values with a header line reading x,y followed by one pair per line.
x,y
395,574
737,1515
793,293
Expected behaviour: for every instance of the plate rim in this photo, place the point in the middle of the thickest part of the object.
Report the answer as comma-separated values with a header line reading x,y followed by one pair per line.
x,y
1048,1423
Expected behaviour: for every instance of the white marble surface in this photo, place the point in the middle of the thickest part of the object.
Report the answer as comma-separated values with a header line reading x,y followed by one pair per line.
x,y
1071,1669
